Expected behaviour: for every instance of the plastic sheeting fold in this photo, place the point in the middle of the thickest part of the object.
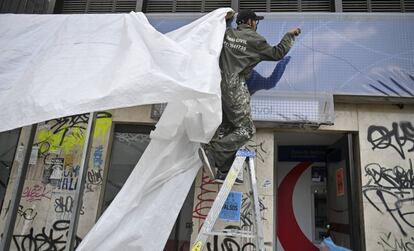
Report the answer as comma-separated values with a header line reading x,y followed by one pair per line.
x,y
58,65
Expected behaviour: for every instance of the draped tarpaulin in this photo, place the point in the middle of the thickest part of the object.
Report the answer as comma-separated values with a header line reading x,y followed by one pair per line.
x,y
57,65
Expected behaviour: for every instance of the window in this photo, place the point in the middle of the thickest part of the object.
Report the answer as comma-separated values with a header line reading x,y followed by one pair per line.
x,y
8,146
128,145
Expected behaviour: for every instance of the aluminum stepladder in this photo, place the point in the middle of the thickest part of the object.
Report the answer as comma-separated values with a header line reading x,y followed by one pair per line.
x,y
242,155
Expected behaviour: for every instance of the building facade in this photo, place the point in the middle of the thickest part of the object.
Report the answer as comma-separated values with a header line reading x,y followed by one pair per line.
x,y
334,142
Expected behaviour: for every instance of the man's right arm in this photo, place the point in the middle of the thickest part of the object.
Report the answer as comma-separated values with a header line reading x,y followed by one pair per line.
x,y
277,52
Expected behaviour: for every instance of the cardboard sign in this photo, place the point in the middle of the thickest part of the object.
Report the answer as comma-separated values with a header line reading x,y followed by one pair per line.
x,y
340,185
57,168
231,208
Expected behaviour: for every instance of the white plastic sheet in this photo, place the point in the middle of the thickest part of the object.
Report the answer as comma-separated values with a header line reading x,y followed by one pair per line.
x,y
58,65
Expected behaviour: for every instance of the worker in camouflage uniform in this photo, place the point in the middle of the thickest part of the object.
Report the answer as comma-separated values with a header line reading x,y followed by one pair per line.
x,y
243,49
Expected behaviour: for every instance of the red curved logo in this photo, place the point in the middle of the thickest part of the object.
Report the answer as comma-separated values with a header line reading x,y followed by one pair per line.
x,y
290,235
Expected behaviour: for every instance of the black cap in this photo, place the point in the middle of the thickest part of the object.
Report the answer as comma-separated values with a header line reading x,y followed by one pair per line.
x,y
245,15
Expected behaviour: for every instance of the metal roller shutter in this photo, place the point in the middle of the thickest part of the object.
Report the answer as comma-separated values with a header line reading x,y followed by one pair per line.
x,y
24,6
409,5
98,6
284,6
74,6
159,6
354,6
319,6
188,6
378,5
255,5
386,6
211,5
101,6
125,5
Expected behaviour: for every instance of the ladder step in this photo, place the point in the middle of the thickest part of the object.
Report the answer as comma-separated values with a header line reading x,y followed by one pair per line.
x,y
233,233
245,153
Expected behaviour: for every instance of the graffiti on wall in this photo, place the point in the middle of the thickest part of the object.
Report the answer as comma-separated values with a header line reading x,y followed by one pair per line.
x,y
399,137
23,214
390,189
209,187
53,239
394,188
204,198
65,134
48,195
388,241
35,193
258,148
228,244
246,214
63,206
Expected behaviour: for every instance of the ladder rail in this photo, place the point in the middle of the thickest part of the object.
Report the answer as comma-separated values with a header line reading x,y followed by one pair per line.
x,y
218,204
231,234
206,230
254,198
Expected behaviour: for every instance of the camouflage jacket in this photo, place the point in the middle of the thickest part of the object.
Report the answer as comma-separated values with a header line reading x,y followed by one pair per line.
x,y
244,48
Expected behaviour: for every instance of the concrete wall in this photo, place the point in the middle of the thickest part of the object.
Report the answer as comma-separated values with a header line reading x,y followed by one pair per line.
x,y
386,138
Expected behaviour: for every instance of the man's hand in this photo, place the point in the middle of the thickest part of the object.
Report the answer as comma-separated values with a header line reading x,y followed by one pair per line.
x,y
295,31
229,15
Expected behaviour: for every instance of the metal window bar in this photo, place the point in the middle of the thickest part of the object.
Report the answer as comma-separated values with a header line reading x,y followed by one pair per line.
x,y
338,5
51,6
81,184
235,5
17,191
20,179
138,6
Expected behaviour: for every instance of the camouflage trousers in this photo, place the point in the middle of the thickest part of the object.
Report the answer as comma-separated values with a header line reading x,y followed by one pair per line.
x,y
237,125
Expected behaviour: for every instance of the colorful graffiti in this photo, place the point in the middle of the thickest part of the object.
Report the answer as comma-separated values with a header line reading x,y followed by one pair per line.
x,y
48,197
68,133
205,198
35,193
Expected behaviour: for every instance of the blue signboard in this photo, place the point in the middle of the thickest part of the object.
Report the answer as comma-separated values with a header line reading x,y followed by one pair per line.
x,y
302,153
231,208
338,53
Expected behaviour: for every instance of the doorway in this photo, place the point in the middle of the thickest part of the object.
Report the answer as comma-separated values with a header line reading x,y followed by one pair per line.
x,y
317,191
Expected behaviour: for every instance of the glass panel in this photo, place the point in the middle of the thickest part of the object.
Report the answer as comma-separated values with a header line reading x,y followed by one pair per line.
x,y
127,149
129,143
